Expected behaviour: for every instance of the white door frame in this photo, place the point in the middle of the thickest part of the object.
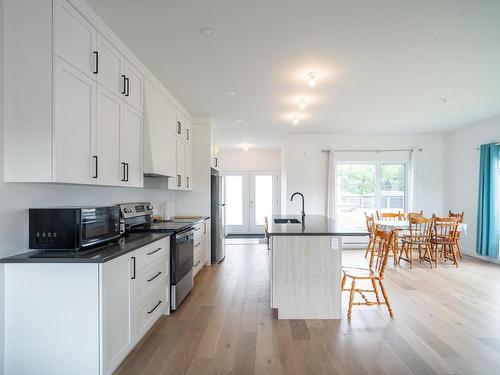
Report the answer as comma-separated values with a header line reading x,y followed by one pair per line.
x,y
248,212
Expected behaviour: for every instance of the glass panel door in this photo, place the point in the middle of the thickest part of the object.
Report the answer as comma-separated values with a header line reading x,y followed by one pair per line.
x,y
250,197
263,200
236,203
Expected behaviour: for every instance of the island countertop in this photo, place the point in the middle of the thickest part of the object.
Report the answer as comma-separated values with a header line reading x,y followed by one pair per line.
x,y
314,225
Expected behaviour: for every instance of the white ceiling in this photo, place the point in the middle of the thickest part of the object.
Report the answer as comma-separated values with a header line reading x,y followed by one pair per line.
x,y
383,65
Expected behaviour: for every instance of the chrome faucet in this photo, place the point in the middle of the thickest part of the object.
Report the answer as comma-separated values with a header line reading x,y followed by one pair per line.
x,y
302,195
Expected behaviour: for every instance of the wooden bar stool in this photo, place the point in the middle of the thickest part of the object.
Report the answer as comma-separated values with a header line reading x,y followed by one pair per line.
x,y
375,274
371,227
419,238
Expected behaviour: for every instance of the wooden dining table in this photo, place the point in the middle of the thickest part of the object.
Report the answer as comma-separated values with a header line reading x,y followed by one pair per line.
x,y
405,225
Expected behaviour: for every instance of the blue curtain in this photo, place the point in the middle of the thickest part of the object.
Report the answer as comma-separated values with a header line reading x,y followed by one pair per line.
x,y
488,215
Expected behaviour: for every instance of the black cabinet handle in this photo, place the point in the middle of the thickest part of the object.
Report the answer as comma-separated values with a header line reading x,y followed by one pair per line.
x,y
204,228
178,180
187,134
154,277
216,162
179,127
126,166
127,81
155,251
96,54
154,308
96,164
198,262
198,244
124,84
133,268
187,182
124,172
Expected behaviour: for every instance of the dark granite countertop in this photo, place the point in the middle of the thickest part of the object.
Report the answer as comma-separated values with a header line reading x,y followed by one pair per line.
x,y
314,225
99,254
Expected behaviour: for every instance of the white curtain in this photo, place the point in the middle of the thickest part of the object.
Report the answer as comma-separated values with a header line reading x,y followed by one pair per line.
x,y
412,204
331,185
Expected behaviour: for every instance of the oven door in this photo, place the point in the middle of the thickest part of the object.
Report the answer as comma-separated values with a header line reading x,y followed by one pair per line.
x,y
183,254
99,224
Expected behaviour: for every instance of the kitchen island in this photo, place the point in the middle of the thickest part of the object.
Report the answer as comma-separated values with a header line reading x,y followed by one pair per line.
x,y
305,266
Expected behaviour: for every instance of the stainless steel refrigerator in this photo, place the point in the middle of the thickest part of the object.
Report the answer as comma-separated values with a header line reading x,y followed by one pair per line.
x,y
218,211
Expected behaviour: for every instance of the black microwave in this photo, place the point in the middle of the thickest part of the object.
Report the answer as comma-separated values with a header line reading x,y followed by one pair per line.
x,y
72,228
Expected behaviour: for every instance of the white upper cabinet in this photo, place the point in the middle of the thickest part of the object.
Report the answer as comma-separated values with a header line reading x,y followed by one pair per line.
x,y
159,142
108,66
214,148
132,85
109,117
75,160
131,147
74,38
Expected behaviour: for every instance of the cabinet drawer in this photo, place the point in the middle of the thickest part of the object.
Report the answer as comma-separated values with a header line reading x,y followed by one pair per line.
x,y
150,310
198,233
198,260
150,253
149,278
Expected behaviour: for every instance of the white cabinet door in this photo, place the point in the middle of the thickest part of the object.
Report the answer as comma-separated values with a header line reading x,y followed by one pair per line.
x,y
188,131
131,147
188,155
109,113
178,182
75,160
117,311
133,85
108,65
74,38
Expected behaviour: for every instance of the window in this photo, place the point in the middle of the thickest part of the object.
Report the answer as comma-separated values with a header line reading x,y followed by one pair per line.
x,y
368,187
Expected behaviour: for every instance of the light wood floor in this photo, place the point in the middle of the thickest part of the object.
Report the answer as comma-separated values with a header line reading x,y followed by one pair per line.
x,y
447,321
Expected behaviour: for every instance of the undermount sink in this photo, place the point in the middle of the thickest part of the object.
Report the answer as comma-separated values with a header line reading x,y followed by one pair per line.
x,y
286,221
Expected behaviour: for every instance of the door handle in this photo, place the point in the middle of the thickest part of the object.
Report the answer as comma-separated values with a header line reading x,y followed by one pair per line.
x,y
96,54
96,165
133,268
124,84
124,172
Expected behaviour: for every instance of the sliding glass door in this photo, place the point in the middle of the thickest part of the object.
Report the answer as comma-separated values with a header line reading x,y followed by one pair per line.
x,y
369,186
250,197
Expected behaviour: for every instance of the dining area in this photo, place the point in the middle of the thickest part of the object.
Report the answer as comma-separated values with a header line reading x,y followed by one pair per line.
x,y
401,241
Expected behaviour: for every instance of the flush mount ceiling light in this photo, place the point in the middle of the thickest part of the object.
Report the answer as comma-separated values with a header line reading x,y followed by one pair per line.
x,y
207,31
229,93
239,121
303,103
311,78
245,148
295,119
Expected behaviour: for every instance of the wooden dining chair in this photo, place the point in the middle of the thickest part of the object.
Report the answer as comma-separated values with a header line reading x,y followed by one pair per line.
x,y
414,214
266,233
375,274
419,238
371,227
390,216
459,215
444,241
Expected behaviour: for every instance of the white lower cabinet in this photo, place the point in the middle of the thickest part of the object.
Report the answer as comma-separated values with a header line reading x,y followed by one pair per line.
x,y
82,318
201,246
117,311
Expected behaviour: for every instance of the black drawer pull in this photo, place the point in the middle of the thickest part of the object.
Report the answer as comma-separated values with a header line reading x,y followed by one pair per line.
x,y
124,91
197,229
154,277
155,251
96,54
133,277
198,262
198,244
154,308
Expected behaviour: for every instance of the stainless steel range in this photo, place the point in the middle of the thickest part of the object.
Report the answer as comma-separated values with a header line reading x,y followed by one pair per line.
x,y
137,218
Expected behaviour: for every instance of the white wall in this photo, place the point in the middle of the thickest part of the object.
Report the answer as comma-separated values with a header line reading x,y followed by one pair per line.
x,y
255,159
462,172
305,166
